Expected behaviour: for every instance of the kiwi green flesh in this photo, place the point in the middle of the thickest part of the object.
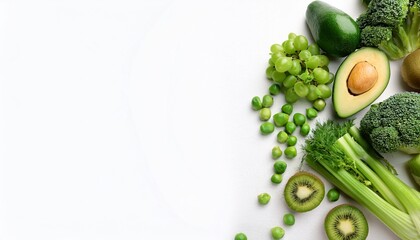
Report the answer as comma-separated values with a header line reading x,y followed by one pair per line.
x,y
304,192
346,222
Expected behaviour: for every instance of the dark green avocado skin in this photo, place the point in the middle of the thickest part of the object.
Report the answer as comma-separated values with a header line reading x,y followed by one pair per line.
x,y
333,30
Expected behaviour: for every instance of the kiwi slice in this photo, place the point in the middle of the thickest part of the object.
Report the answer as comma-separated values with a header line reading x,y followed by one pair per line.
x,y
304,191
346,222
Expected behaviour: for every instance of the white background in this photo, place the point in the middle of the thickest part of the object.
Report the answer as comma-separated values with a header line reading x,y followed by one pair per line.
x,y
132,120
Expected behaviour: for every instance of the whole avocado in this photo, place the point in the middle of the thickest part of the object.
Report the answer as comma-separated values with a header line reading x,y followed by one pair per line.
x,y
333,30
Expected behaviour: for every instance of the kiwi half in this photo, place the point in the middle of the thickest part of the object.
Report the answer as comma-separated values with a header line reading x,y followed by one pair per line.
x,y
346,222
304,191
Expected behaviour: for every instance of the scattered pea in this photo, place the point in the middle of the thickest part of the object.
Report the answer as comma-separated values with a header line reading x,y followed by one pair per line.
x,y
240,236
333,195
267,101
280,167
282,137
264,198
276,178
287,108
305,129
256,103
277,233
265,114
290,152
266,128
291,141
289,219
319,104
274,89
311,113
290,127
280,119
276,152
299,119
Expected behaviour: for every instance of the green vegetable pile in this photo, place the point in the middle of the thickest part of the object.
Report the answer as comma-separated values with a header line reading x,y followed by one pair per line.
x,y
392,26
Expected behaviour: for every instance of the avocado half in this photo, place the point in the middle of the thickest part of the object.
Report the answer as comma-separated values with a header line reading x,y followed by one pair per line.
x,y
346,103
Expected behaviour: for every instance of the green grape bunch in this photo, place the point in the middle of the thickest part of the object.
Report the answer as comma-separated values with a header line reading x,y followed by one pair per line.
x,y
299,70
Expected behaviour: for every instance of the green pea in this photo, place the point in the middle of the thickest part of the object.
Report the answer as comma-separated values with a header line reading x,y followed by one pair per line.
x,y
266,128
280,119
287,108
319,104
291,141
256,103
277,233
276,152
311,113
276,178
290,152
280,167
333,195
264,198
265,114
299,119
274,89
305,129
289,219
290,127
267,101
282,137
240,236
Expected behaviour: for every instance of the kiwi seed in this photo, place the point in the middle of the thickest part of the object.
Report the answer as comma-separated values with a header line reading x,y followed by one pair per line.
x,y
304,191
346,222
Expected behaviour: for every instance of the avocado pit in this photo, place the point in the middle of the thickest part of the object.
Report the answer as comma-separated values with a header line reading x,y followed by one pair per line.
x,y
362,78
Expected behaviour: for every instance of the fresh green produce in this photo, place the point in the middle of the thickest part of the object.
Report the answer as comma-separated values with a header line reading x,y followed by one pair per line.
x,y
274,89
290,127
276,178
305,129
240,236
277,233
410,71
311,113
276,152
360,79
265,114
345,222
267,101
264,198
291,141
333,30
298,68
319,104
280,167
256,103
337,151
299,119
280,119
394,124
266,128
304,191
289,219
290,152
392,26
413,166
333,195
282,137
287,108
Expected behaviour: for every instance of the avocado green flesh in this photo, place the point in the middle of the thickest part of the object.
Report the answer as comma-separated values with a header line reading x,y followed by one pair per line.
x,y
345,103
332,29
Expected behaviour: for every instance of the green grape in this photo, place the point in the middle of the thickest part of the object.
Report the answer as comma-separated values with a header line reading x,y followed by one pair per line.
x,y
321,76
331,78
304,55
319,104
291,96
269,72
301,89
291,36
312,62
313,93
283,64
300,42
274,89
325,91
288,47
276,56
275,48
324,61
271,62
289,81
314,49
278,77
296,67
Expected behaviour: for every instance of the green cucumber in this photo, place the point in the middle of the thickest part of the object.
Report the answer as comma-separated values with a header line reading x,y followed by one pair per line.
x,y
333,30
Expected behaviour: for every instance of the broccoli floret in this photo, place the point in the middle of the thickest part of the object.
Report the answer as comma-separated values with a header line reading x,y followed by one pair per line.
x,y
394,124
401,18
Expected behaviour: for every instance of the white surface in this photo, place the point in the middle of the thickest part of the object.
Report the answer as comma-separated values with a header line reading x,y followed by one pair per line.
x,y
131,120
